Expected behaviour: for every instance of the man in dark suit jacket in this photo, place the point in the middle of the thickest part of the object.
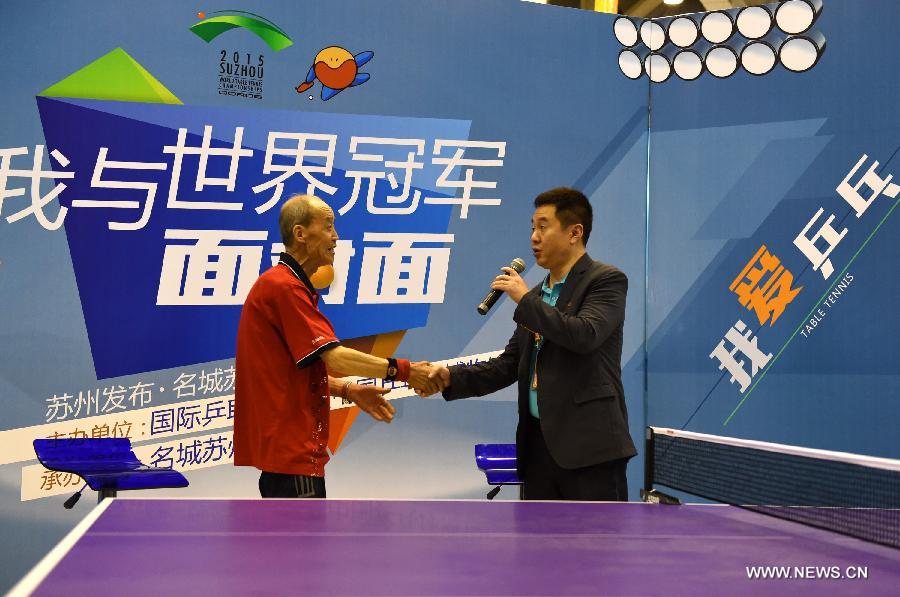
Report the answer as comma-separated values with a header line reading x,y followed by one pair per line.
x,y
572,439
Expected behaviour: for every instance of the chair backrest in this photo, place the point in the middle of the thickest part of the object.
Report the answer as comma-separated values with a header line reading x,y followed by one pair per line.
x,y
83,456
498,462
495,456
106,463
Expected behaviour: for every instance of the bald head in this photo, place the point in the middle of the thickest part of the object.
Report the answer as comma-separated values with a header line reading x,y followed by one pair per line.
x,y
300,210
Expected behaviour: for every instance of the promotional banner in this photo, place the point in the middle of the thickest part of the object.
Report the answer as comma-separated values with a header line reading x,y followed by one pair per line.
x,y
773,229
145,150
740,164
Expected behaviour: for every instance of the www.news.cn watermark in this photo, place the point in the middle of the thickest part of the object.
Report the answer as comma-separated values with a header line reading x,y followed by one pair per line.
x,y
808,572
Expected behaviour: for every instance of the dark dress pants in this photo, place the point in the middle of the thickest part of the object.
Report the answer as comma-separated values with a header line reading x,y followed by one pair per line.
x,y
546,480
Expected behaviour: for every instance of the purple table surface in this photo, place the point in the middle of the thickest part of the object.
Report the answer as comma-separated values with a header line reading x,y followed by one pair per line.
x,y
358,547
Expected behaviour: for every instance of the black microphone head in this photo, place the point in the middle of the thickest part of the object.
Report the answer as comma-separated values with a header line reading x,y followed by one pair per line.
x,y
519,266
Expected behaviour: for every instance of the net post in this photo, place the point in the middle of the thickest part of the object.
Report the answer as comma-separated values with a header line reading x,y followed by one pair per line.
x,y
648,460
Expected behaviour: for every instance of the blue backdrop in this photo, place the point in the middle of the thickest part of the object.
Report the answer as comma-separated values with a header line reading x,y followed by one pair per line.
x,y
689,180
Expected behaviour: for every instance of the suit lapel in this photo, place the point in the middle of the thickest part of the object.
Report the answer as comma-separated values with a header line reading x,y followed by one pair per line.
x,y
572,280
526,340
526,346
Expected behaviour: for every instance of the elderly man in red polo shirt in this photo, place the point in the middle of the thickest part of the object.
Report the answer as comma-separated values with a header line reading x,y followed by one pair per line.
x,y
285,348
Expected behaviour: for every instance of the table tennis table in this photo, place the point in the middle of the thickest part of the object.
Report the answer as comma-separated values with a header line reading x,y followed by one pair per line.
x,y
163,546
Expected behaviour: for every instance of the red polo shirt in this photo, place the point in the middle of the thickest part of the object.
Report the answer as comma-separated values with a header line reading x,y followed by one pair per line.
x,y
281,400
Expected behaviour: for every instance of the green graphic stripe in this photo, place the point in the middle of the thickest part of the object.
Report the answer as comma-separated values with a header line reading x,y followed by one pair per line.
x,y
212,27
815,306
252,14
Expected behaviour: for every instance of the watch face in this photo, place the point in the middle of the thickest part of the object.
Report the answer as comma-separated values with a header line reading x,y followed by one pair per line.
x,y
392,371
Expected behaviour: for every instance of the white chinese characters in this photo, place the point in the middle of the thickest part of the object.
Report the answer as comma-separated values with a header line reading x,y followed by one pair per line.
x,y
388,172
402,273
208,272
396,267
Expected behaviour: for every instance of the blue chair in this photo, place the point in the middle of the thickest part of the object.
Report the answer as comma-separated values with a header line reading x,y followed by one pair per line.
x,y
498,463
106,464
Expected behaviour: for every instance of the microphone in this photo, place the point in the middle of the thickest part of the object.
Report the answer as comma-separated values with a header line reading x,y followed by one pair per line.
x,y
491,298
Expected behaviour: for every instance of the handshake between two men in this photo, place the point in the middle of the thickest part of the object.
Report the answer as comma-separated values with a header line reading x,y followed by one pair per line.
x,y
573,320
430,380
424,378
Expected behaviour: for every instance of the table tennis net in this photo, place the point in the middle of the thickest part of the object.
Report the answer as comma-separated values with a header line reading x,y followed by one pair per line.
x,y
846,493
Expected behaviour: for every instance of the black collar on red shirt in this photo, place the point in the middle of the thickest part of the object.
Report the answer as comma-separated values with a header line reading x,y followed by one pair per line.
x,y
286,259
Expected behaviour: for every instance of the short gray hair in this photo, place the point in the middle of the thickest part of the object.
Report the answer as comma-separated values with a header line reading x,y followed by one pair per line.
x,y
297,210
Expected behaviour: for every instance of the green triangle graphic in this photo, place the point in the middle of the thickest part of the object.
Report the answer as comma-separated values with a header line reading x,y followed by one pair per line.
x,y
115,76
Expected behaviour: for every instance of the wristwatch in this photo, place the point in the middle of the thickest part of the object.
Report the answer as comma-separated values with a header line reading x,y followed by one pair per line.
x,y
392,369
